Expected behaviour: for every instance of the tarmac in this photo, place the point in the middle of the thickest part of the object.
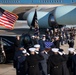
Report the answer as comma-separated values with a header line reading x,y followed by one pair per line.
x,y
7,69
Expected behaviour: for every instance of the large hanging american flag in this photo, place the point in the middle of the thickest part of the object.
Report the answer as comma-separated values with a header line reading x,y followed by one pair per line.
x,y
7,19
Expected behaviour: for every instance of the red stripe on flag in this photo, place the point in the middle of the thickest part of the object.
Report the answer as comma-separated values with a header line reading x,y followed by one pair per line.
x,y
10,16
5,22
8,19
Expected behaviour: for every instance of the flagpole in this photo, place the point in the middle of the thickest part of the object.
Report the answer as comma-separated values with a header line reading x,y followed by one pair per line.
x,y
33,21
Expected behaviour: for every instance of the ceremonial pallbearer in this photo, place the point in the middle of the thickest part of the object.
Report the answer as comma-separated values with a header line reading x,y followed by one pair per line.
x,y
70,60
33,62
55,63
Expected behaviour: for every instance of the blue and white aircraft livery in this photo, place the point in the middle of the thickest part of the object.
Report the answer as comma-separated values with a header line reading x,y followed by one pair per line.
x,y
49,12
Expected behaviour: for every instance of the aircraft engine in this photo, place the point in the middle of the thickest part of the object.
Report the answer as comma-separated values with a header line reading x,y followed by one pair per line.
x,y
44,19
65,15
62,15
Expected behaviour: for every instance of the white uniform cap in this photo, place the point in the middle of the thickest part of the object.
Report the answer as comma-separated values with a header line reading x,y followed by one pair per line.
x,y
71,49
33,36
37,46
32,49
55,49
24,51
43,35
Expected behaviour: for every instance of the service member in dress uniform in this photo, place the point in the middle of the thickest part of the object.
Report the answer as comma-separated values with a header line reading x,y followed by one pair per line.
x,y
19,61
70,60
43,63
55,63
64,67
37,48
74,64
33,62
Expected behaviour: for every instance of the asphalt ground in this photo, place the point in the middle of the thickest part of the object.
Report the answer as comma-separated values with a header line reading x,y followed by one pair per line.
x,y
7,69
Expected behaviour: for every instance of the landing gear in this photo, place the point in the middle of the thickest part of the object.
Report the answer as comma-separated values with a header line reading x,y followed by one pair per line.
x,y
2,59
2,55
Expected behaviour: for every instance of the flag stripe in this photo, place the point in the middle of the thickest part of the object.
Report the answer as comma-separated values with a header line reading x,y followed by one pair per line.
x,y
7,26
10,25
10,15
6,23
7,19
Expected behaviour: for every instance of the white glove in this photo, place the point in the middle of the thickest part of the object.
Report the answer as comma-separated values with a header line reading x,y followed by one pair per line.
x,y
60,53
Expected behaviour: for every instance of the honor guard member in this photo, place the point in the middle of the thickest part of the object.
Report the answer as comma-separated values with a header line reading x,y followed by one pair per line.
x,y
64,67
33,62
37,48
37,51
74,64
70,60
55,63
19,62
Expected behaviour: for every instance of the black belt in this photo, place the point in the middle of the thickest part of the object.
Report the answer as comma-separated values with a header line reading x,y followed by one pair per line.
x,y
55,67
32,66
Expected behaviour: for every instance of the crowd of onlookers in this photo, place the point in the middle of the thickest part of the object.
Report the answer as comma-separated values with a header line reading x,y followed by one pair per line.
x,y
40,54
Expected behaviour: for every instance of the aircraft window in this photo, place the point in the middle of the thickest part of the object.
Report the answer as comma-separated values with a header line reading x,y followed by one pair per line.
x,y
72,0
8,1
61,0
51,1
57,0
32,1
40,0
45,1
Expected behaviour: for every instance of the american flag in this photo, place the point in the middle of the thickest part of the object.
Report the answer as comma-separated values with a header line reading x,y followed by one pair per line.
x,y
7,19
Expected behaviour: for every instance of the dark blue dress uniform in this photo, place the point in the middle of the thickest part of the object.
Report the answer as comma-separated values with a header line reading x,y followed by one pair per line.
x,y
33,64
74,64
55,64
19,61
70,63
